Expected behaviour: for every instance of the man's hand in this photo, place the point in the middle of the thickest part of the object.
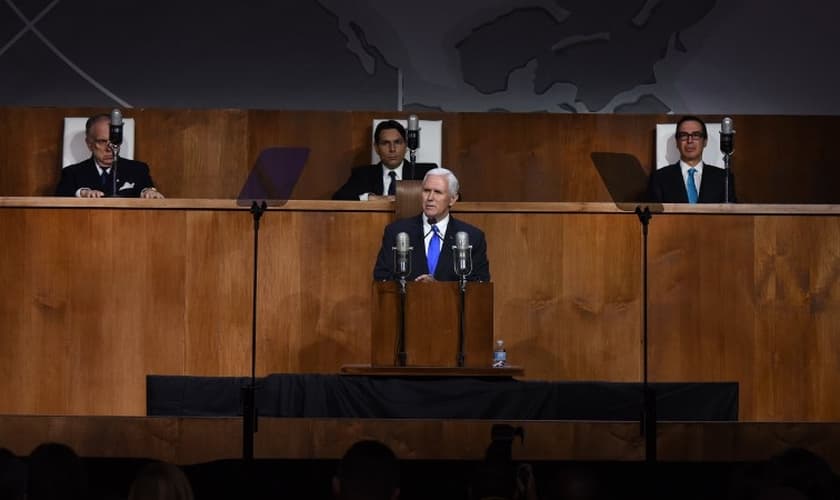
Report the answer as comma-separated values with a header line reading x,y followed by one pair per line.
x,y
90,193
151,193
425,277
376,197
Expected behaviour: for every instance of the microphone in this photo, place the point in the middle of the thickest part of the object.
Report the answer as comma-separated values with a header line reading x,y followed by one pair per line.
x,y
115,133
403,250
413,132
727,136
462,254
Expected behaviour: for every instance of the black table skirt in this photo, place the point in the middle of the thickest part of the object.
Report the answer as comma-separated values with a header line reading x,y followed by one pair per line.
x,y
335,396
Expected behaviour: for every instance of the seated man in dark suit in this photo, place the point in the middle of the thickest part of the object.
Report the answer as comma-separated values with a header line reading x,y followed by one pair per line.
x,y
378,182
92,178
690,180
432,235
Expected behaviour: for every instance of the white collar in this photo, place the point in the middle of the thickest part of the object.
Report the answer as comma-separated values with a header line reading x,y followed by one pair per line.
x,y
398,170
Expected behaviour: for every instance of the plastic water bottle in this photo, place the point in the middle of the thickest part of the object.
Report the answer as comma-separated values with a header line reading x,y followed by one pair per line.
x,y
499,355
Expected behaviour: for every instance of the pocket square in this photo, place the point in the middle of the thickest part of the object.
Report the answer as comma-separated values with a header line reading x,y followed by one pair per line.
x,y
127,185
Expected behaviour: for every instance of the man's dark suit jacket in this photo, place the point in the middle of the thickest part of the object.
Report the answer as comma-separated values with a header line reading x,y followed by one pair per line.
x,y
132,178
384,269
368,179
666,185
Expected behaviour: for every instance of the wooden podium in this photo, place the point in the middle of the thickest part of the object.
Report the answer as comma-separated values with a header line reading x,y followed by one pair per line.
x,y
432,312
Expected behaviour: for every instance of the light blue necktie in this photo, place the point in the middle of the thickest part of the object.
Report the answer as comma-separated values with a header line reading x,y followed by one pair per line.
x,y
690,186
434,250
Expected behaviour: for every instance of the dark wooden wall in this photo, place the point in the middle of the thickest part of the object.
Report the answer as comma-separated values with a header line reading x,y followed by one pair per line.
x,y
497,156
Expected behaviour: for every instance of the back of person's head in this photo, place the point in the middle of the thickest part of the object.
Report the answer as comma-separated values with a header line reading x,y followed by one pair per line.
x,y
160,481
780,493
56,472
493,480
369,470
803,471
387,125
12,476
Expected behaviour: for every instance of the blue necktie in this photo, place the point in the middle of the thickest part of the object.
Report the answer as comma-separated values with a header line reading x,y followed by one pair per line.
x,y
392,187
434,250
690,186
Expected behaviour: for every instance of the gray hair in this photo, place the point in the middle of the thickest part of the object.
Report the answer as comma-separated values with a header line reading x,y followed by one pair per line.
x,y
451,180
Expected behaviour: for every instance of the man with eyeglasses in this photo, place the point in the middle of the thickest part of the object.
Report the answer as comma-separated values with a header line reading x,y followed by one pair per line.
x,y
378,182
93,178
690,180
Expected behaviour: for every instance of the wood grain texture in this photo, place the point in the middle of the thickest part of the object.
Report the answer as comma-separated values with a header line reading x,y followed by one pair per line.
x,y
100,294
514,157
432,319
752,299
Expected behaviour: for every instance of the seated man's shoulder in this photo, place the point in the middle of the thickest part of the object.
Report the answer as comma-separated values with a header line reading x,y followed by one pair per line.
x,y
76,166
361,169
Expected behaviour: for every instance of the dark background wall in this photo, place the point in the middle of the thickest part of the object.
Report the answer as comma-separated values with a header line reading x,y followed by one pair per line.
x,y
654,56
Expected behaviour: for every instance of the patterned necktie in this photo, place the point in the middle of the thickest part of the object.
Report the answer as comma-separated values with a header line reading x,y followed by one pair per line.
x,y
433,251
392,187
690,186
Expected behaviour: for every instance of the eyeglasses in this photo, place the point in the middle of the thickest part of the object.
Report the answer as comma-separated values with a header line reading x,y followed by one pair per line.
x,y
683,136
100,143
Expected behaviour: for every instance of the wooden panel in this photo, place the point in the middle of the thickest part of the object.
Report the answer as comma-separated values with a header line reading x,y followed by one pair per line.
x,y
498,156
196,440
315,274
752,299
217,305
99,294
194,153
567,292
326,134
95,301
432,318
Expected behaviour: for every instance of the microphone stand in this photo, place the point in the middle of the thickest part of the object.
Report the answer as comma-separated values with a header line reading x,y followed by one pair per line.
x,y
726,157
249,407
462,281
412,159
461,320
115,150
401,354
648,417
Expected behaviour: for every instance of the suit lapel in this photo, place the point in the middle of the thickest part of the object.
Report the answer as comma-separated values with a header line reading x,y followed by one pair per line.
x,y
90,175
677,184
377,181
709,187
420,266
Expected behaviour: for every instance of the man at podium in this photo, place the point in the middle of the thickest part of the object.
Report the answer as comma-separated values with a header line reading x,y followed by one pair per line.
x,y
436,240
